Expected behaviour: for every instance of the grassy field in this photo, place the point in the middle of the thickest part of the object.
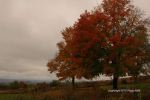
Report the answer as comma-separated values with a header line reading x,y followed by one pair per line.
x,y
16,97
84,93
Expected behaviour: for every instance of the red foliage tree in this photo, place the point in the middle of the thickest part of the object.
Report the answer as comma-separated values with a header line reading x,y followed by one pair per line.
x,y
109,40
62,64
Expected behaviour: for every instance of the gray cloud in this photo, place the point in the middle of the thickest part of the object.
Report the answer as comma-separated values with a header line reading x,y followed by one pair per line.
x,y
30,29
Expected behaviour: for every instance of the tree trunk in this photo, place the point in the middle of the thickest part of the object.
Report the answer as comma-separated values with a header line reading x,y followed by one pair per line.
x,y
115,81
73,81
135,79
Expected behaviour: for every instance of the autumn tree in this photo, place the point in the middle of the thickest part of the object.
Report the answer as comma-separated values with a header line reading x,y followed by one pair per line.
x,y
62,63
109,40
130,35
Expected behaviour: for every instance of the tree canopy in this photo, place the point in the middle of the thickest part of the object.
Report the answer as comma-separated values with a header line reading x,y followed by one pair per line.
x,y
112,39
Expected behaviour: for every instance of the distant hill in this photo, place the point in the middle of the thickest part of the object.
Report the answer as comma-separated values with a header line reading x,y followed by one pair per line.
x,y
7,81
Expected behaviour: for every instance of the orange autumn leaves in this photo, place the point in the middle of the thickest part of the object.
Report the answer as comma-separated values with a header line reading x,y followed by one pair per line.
x,y
107,40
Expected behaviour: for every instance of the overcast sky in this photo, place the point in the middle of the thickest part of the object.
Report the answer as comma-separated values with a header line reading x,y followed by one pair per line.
x,y
30,29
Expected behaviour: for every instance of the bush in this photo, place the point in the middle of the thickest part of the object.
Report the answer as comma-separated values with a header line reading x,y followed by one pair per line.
x,y
14,85
54,83
3,86
18,85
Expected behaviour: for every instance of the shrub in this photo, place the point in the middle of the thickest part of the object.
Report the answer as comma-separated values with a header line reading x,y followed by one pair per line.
x,y
54,83
14,85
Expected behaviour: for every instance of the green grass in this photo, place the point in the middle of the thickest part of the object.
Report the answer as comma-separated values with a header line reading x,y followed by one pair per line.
x,y
78,93
15,97
141,86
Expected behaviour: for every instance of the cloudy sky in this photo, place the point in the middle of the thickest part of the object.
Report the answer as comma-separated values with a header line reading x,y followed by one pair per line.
x,y
30,29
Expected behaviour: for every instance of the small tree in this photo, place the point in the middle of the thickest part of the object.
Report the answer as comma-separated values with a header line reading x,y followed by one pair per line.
x,y
62,64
